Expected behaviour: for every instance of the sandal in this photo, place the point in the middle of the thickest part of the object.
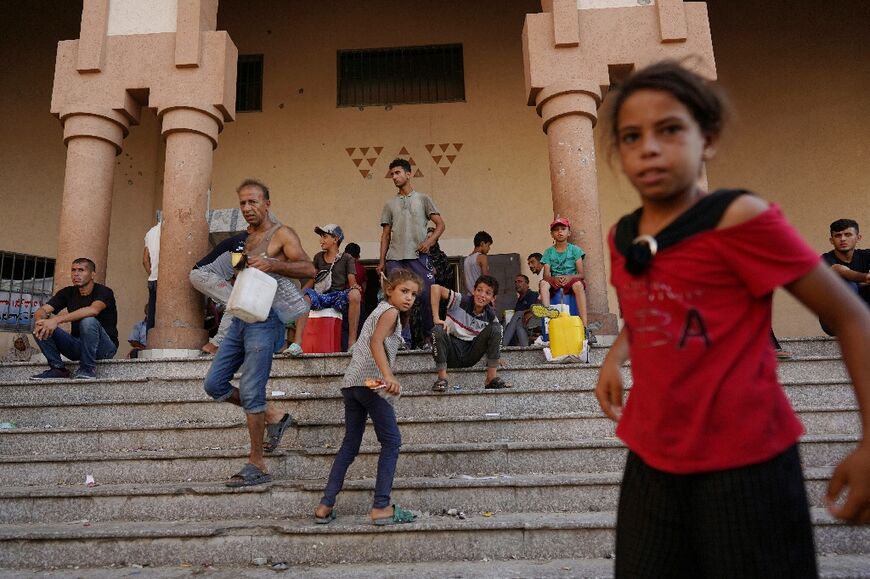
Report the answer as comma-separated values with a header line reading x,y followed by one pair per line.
x,y
325,520
400,516
542,311
440,385
249,476
294,350
275,432
496,384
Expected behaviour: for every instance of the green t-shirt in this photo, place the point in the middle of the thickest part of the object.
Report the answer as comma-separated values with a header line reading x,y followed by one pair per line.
x,y
564,263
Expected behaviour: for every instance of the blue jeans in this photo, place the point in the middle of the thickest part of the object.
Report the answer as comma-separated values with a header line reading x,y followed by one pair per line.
x,y
249,347
92,344
360,402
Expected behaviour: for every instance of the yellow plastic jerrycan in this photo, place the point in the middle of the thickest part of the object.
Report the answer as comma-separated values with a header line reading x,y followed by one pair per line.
x,y
566,335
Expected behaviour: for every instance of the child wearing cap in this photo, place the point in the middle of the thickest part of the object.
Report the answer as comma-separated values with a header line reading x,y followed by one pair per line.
x,y
343,293
563,271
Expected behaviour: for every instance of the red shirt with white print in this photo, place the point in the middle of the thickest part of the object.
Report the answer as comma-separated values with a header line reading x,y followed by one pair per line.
x,y
705,394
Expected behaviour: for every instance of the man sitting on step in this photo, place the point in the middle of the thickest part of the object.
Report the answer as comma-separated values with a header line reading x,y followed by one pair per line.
x,y
90,306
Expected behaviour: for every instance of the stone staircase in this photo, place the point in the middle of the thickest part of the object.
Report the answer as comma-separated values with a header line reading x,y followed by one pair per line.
x,y
535,471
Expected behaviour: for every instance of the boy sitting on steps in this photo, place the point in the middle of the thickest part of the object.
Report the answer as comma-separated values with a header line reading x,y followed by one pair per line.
x,y
563,271
470,330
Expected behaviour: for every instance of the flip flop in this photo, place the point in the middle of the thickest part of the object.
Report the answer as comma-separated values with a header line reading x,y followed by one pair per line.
x,y
325,520
249,476
400,516
496,384
440,385
275,432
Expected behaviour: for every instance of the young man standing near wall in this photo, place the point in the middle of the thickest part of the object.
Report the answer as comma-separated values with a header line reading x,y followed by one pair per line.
x,y
404,240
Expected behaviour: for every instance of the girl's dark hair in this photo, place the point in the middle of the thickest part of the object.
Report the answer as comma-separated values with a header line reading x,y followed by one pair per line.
x,y
401,275
705,101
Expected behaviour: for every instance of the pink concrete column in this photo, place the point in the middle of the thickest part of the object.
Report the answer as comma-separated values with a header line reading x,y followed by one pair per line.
x,y
569,114
191,136
92,142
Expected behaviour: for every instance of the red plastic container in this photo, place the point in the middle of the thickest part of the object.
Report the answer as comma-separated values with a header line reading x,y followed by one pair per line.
x,y
322,332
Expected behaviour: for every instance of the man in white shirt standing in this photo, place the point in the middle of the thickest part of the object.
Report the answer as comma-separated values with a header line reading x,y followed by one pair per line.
x,y
150,260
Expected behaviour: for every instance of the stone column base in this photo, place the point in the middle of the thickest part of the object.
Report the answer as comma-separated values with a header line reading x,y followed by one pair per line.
x,y
609,325
164,353
177,338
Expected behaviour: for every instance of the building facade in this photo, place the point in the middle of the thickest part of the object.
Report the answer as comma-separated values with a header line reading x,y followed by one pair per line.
x,y
796,75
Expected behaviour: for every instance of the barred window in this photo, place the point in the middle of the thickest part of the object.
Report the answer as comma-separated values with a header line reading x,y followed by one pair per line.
x,y
26,282
249,83
410,75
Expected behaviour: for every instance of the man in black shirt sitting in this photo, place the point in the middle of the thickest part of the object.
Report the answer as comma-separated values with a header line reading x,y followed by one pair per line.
x,y
90,307
850,263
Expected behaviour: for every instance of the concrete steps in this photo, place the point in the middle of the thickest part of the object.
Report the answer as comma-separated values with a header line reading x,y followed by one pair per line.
x,y
553,493
350,539
541,457
430,460
487,427
830,567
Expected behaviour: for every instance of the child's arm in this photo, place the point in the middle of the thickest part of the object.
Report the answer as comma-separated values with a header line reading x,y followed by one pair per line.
x,y
483,262
578,265
842,311
608,391
386,325
352,284
436,294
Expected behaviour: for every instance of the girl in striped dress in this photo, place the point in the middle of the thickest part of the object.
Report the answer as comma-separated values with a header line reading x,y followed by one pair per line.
x,y
369,385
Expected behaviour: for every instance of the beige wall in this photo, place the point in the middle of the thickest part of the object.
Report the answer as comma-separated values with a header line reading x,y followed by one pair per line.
x,y
794,73
298,144
32,157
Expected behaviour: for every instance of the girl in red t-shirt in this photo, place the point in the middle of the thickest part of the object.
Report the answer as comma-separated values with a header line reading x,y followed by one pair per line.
x,y
713,483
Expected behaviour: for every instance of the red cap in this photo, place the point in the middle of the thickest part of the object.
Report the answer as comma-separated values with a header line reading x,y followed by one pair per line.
x,y
560,221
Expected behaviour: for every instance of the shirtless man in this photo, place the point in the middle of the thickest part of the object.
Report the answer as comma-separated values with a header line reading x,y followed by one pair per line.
x,y
274,249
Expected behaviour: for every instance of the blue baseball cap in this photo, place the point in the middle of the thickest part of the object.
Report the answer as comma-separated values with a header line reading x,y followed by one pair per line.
x,y
330,229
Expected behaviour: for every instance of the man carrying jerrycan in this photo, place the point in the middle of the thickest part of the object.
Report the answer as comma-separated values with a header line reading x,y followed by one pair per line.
x,y
276,250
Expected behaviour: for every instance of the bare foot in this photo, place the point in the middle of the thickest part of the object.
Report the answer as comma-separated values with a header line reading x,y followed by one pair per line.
x,y
209,348
322,511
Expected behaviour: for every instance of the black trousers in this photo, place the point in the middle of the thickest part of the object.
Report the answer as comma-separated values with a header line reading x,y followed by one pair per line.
x,y
745,522
151,312
451,352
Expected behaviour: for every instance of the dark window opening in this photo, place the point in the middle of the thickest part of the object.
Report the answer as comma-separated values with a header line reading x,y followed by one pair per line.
x,y
26,282
410,75
249,83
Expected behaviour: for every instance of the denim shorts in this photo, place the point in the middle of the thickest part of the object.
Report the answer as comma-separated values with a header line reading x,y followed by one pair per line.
x,y
249,347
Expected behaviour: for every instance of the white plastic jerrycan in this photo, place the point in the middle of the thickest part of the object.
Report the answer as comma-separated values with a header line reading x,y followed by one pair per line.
x,y
252,295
